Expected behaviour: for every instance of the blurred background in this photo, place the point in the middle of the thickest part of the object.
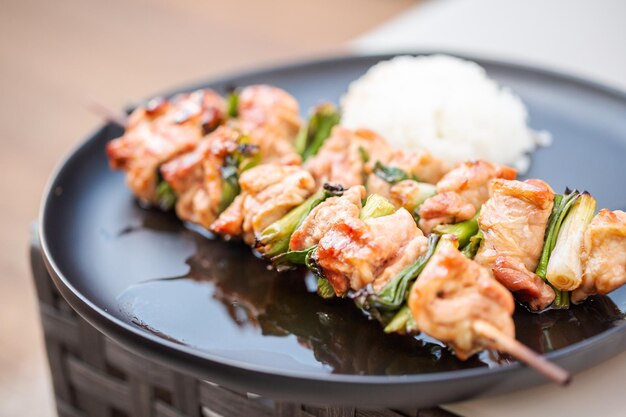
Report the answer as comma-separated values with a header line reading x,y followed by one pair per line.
x,y
56,55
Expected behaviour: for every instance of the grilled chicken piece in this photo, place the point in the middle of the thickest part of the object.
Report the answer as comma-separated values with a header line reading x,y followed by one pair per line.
x,y
421,164
461,192
603,255
341,160
271,117
453,294
268,192
356,252
323,217
159,131
513,222
196,177
444,208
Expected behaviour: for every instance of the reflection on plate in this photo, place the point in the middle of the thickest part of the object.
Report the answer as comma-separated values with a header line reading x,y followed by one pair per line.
x,y
230,303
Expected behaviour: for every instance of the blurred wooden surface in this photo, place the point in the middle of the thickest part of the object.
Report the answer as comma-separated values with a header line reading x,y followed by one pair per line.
x,y
56,54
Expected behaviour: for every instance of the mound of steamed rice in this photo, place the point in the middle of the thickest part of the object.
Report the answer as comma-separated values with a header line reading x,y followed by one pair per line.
x,y
445,105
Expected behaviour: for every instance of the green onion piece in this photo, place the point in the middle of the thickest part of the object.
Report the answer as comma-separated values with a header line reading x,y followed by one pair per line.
x,y
403,322
395,292
232,103
391,175
230,190
274,239
564,270
462,230
165,194
292,258
376,206
562,205
561,300
471,248
365,156
243,158
324,289
314,133
166,197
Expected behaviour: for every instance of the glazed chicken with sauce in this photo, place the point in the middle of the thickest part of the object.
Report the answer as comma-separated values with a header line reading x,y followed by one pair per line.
x,y
267,117
420,165
159,131
332,211
271,117
341,158
513,222
268,192
603,255
355,252
460,193
452,294
196,177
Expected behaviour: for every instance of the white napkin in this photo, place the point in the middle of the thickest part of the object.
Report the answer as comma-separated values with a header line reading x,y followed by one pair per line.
x,y
586,38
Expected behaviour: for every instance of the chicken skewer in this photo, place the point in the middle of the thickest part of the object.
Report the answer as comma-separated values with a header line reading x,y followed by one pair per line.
x,y
202,204
371,245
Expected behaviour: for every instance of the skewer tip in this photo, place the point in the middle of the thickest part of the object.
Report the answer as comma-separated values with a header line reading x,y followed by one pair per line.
x,y
107,113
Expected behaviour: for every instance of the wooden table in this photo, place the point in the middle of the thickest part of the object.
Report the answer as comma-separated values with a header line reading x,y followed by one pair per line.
x,y
57,54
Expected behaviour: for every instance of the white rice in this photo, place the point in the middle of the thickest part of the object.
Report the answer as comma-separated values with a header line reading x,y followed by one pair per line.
x,y
445,105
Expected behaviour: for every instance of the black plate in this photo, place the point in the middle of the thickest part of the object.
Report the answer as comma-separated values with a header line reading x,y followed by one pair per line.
x,y
214,309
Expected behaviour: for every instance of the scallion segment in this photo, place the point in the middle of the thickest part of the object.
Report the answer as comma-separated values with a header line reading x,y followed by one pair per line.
x,y
564,270
463,230
274,239
243,158
562,205
232,103
376,206
391,175
314,133
165,194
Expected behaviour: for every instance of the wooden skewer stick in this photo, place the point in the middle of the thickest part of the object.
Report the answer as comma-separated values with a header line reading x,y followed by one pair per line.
x,y
509,345
107,113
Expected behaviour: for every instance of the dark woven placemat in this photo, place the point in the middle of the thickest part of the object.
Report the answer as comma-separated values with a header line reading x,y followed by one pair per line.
x,y
94,376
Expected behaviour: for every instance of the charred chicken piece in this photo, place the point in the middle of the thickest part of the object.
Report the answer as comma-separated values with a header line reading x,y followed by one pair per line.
x,y
271,117
268,192
159,131
461,193
453,292
603,255
322,218
357,252
197,176
513,222
343,157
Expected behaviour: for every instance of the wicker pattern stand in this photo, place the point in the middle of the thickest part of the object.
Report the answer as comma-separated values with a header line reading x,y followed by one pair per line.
x,y
94,376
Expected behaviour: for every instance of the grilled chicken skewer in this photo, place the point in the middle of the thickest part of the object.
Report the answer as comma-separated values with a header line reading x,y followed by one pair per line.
x,y
376,248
